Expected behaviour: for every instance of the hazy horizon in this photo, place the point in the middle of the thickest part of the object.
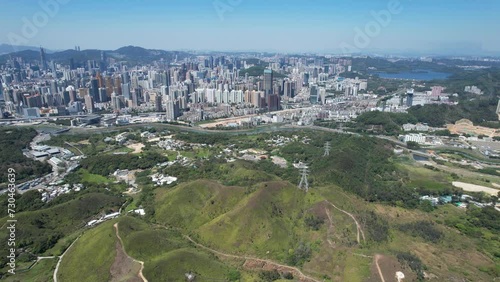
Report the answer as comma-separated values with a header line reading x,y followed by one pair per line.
x,y
321,26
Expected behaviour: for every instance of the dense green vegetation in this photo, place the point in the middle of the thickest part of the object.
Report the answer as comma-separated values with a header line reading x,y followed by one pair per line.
x,y
383,122
255,209
107,164
376,226
477,218
44,226
314,222
424,229
257,71
12,142
413,262
487,80
29,201
42,271
383,65
477,110
358,165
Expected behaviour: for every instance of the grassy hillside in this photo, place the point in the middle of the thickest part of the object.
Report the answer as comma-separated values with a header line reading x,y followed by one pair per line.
x,y
268,221
146,243
92,255
194,204
41,272
167,255
42,229
249,219
174,265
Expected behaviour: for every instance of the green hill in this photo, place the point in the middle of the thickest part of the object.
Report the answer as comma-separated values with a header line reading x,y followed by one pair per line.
x,y
174,265
259,71
42,229
244,221
194,204
265,220
268,220
166,254
92,255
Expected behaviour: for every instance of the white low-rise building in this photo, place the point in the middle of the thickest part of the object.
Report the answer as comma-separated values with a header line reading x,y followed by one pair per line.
x,y
56,161
111,215
418,138
140,212
161,179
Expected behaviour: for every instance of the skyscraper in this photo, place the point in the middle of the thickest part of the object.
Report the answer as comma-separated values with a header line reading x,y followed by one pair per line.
x,y
53,87
43,59
158,102
268,81
306,78
125,77
103,64
172,110
1,89
103,96
109,85
409,97
273,103
135,97
118,85
313,98
289,89
94,89
126,91
116,102
89,104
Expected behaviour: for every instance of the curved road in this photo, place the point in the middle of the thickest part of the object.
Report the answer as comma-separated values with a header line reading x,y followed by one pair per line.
x,y
61,257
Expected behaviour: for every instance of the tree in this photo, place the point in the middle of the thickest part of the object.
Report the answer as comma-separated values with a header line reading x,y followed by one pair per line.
x,y
313,222
412,145
234,275
270,276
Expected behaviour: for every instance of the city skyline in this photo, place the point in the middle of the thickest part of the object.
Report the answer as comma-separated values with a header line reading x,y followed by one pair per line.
x,y
453,27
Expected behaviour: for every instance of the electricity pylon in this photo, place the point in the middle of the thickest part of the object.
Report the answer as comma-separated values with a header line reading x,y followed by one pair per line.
x,y
304,184
328,147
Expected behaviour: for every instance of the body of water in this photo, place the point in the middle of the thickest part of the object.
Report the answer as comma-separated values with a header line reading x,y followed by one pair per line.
x,y
415,75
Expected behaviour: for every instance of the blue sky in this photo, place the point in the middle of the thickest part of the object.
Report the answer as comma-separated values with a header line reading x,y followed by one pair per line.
x,y
268,25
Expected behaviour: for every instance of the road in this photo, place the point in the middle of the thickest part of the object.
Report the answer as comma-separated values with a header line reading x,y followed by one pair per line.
x,y
377,257
61,257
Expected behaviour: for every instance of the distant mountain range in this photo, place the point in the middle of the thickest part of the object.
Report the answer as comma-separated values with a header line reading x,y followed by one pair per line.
x,y
130,54
7,48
